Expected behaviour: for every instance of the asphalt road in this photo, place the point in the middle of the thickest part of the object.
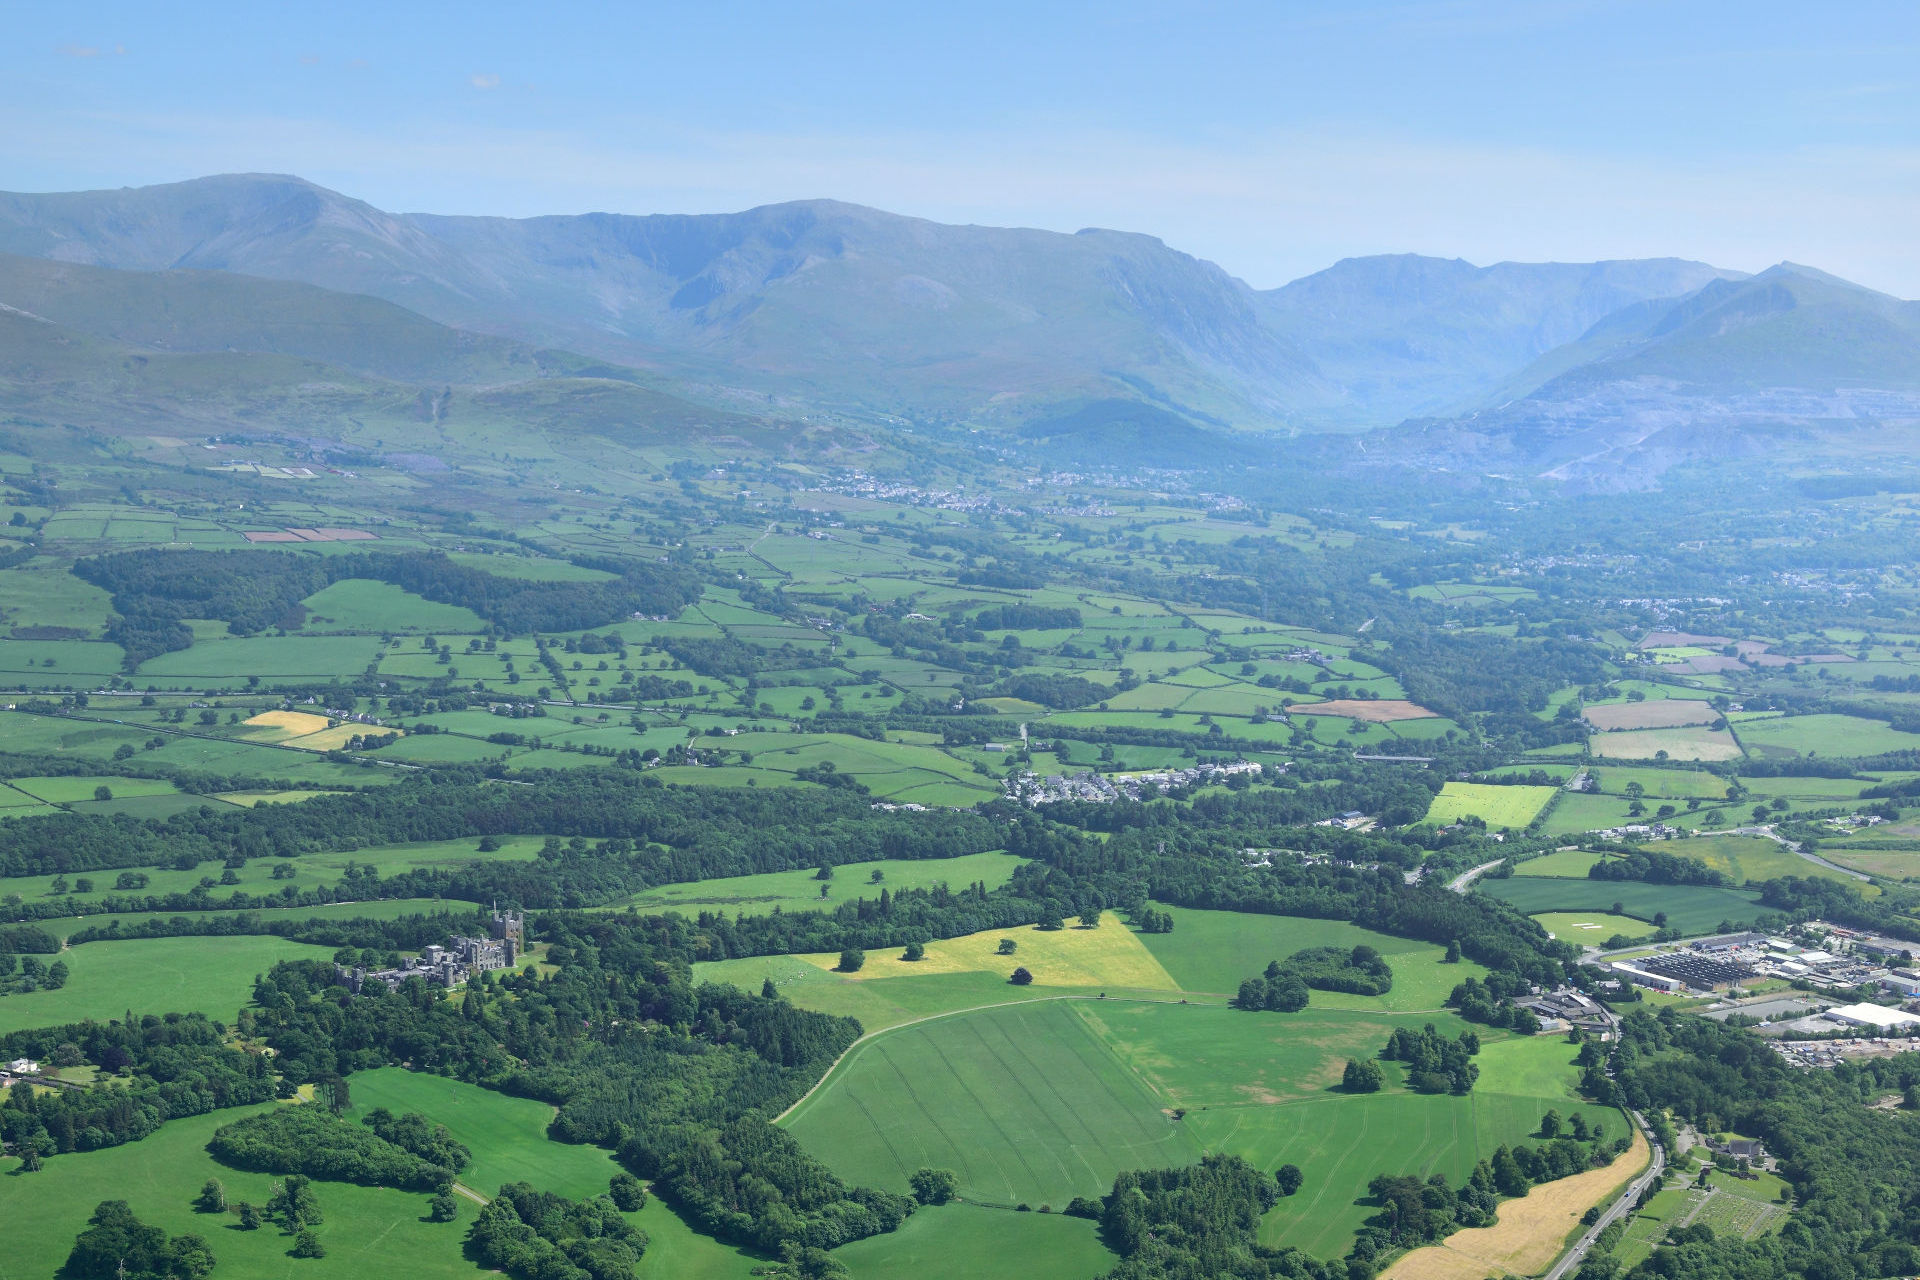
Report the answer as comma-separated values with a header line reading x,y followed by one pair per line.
x,y
1617,1210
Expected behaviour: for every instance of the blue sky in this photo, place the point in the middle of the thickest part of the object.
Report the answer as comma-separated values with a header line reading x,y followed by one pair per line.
x,y
1272,138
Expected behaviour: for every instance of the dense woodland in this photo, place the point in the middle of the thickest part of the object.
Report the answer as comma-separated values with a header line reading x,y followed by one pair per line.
x,y
253,591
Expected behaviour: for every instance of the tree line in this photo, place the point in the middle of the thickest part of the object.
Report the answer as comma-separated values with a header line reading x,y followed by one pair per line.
x,y
154,592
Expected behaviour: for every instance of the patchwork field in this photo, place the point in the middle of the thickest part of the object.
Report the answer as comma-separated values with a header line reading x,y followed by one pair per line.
x,y
1496,804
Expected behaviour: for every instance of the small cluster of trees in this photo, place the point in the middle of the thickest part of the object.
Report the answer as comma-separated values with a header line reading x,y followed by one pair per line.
x,y
1491,1003
1435,1064
1283,988
416,1133
536,1235
1151,920
116,1245
311,1140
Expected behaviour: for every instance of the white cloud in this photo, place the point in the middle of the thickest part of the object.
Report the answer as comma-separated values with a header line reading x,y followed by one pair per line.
x,y
484,80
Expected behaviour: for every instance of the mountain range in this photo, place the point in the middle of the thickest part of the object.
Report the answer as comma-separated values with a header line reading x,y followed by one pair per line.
x,y
824,308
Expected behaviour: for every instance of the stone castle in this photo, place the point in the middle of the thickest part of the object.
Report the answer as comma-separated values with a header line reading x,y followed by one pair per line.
x,y
453,964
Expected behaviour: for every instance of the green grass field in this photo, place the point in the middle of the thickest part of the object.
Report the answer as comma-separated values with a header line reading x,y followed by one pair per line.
x,y
1036,1103
1566,863
1591,928
1214,951
969,1242
213,976
359,604
1497,805
508,1136
310,870
1024,1103
1750,859
368,1231
1690,908
1823,735
798,890
1582,811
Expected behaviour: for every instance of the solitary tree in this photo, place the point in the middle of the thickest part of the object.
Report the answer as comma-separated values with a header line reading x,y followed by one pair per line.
x,y
212,1197
1090,919
1289,1178
768,991
307,1245
1550,1125
852,959
627,1194
933,1186
1021,978
914,951
442,1208
1363,1075
1007,947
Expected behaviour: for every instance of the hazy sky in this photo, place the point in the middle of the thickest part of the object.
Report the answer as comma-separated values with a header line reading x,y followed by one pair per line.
x,y
1272,138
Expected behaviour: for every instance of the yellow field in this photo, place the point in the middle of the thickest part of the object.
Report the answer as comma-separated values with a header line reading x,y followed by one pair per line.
x,y
1530,1231
277,726
335,738
1111,955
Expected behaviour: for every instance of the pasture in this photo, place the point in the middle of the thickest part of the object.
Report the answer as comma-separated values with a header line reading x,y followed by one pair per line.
x,y
213,976
1570,864
800,890
1689,908
369,1231
1824,735
1659,713
508,1136
1750,859
1214,951
1496,804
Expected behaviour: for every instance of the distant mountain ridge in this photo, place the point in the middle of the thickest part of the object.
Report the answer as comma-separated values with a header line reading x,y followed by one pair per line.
x,y
835,304
1731,369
